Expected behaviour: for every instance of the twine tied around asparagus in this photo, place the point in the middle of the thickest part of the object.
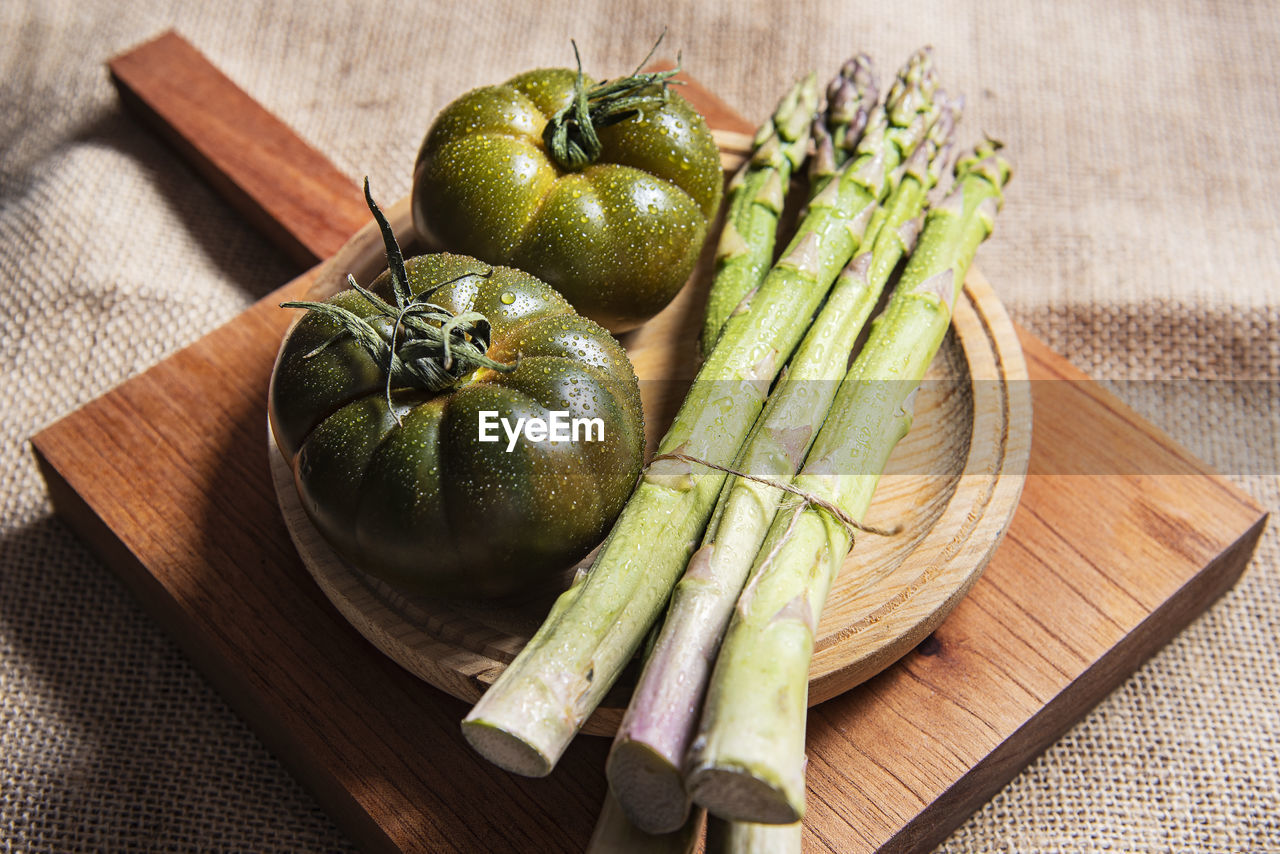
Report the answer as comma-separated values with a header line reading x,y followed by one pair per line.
x,y
808,498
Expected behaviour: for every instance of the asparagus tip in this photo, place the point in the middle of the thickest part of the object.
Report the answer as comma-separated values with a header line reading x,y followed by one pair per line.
x,y
837,127
912,91
986,160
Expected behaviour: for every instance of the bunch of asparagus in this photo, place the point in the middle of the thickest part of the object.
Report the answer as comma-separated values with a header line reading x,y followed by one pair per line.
x,y
746,497
646,763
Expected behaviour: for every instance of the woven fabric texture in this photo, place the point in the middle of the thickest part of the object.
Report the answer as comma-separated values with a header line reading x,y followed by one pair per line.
x,y
1139,239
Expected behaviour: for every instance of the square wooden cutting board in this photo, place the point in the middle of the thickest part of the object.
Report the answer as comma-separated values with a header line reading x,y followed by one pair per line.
x,y
166,476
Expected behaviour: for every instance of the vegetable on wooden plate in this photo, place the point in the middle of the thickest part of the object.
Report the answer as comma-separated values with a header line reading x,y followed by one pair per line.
x,y
752,595
747,761
603,190
528,716
646,764
399,407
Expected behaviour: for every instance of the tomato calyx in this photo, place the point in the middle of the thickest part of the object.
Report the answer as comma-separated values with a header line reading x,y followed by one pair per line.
x,y
420,344
570,136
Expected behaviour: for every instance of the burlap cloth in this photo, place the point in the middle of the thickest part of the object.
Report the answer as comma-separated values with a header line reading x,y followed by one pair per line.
x,y
1139,238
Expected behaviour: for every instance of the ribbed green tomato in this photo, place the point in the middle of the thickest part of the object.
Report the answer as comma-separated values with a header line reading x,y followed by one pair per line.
x,y
424,503
618,237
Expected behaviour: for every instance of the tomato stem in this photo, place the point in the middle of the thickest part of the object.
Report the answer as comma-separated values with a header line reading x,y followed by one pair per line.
x,y
419,344
570,135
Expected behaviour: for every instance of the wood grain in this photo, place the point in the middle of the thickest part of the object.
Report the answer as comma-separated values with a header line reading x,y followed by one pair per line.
x,y
1096,572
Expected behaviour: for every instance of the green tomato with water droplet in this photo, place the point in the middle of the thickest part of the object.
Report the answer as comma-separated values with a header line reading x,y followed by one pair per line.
x,y
618,236
412,494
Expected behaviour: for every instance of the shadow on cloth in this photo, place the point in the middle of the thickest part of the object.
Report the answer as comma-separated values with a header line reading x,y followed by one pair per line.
x,y
124,745
237,250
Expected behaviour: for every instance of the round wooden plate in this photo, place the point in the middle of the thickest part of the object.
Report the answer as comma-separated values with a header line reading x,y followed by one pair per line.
x,y
953,485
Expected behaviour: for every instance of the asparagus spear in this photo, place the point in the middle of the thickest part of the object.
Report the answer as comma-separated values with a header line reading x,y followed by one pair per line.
x,y
747,762
756,196
851,96
741,837
528,716
645,766
836,130
614,834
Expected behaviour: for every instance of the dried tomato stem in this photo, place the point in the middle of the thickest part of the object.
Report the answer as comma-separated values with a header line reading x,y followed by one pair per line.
x,y
570,135
427,346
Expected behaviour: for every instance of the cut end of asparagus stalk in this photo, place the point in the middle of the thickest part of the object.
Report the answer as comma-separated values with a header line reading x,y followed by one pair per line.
x,y
505,749
733,794
616,834
740,837
648,787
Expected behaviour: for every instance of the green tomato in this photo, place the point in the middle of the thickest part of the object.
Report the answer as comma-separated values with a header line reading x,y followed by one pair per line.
x,y
618,237
413,494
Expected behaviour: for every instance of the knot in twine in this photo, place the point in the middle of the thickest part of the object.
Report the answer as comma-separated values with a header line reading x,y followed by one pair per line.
x,y
851,524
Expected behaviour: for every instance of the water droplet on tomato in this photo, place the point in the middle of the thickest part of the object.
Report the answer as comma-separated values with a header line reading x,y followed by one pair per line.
x,y
507,298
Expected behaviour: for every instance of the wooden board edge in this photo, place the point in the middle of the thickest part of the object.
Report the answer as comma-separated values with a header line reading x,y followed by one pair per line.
x,y
84,522
933,824
1037,352
311,234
